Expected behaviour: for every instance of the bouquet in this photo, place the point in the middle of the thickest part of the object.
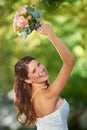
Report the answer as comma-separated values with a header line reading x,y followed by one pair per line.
x,y
26,20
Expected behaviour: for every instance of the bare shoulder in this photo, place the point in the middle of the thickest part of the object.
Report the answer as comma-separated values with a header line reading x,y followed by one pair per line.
x,y
59,83
44,105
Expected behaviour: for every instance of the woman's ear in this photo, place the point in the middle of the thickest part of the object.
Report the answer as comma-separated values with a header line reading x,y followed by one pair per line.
x,y
28,81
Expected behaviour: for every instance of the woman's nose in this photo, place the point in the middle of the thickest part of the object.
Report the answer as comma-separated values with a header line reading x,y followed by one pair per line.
x,y
41,69
41,72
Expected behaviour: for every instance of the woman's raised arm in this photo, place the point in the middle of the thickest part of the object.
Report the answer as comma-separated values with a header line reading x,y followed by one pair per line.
x,y
66,56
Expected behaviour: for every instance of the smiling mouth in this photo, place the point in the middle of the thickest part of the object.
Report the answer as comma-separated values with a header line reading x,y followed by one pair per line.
x,y
44,75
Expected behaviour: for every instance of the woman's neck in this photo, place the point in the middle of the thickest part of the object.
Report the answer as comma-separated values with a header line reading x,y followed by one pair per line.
x,y
40,85
36,88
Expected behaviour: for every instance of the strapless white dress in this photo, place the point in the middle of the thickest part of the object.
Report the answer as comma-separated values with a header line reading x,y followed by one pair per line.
x,y
56,120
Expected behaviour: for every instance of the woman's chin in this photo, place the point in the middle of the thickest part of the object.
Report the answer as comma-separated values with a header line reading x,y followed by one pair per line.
x,y
45,77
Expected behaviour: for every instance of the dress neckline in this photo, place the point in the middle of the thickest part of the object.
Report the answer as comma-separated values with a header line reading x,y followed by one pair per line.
x,y
56,111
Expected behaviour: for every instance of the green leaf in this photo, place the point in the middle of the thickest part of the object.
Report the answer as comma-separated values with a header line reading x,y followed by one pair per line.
x,y
30,10
28,31
32,27
37,25
24,33
36,15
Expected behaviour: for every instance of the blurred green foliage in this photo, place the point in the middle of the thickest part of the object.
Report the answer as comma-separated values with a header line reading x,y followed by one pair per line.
x,y
68,18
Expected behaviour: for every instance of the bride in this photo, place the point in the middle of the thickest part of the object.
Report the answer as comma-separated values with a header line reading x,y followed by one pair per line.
x,y
37,99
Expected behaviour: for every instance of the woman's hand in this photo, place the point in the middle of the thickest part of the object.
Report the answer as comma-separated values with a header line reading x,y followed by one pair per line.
x,y
44,29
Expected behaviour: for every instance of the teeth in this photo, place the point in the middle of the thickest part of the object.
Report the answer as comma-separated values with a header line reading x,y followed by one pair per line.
x,y
43,74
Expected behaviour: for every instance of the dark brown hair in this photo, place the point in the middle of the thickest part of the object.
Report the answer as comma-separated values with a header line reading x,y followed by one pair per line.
x,y
22,91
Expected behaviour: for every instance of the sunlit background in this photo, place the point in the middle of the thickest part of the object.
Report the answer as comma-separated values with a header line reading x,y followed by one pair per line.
x,y
68,19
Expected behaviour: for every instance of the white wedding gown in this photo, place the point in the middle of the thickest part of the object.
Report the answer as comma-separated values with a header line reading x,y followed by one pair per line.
x,y
56,120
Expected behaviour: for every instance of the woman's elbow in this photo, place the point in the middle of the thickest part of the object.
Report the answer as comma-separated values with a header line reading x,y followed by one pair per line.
x,y
71,61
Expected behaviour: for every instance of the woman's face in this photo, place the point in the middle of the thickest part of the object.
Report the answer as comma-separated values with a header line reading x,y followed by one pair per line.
x,y
37,72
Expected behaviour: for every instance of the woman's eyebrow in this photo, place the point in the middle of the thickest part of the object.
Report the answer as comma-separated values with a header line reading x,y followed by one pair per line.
x,y
38,64
33,70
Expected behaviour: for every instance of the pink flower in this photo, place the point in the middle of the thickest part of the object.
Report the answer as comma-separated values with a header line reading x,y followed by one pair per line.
x,y
23,19
15,21
22,22
22,10
17,15
15,26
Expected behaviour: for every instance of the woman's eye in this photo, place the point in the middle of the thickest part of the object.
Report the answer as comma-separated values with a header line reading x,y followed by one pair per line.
x,y
34,71
38,64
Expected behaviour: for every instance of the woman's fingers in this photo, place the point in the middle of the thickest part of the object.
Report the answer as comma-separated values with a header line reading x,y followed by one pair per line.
x,y
44,28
